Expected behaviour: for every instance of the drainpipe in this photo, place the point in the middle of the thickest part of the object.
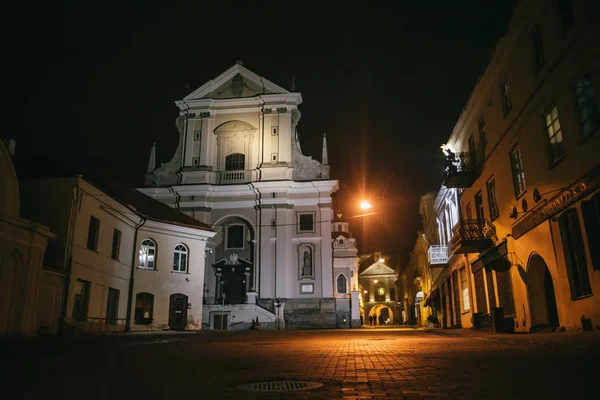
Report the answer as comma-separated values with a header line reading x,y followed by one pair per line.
x,y
75,205
131,276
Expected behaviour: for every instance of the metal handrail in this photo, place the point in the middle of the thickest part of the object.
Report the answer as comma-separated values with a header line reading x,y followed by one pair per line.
x,y
462,162
473,229
438,254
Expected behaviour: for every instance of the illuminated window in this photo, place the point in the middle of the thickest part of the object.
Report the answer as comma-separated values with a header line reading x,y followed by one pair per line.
x,y
147,254
180,258
465,290
144,307
554,135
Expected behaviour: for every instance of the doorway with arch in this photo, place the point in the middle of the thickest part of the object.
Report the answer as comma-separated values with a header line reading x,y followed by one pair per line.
x,y
542,299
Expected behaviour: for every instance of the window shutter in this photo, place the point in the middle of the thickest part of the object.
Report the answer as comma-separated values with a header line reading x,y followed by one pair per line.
x,y
505,292
480,292
490,287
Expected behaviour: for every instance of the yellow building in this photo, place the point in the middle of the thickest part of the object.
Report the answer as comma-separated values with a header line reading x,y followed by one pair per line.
x,y
524,155
377,282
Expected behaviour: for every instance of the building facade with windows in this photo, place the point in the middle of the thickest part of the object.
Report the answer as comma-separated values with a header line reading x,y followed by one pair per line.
x,y
130,262
523,156
239,168
378,285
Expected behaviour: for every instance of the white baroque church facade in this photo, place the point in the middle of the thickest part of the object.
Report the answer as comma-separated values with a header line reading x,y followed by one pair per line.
x,y
239,167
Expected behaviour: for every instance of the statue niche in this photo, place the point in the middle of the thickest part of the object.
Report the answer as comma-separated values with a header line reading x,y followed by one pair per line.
x,y
305,262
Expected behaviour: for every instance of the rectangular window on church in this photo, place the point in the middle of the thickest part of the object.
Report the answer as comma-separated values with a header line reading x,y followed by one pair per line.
x,y
274,157
197,135
274,130
306,222
195,161
235,237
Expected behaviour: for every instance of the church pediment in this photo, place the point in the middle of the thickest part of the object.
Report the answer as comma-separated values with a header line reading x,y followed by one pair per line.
x,y
237,81
378,269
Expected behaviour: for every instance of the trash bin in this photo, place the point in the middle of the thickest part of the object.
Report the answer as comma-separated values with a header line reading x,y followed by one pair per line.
x,y
498,319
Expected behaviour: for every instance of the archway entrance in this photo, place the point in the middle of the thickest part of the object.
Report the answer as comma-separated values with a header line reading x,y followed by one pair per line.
x,y
382,314
542,300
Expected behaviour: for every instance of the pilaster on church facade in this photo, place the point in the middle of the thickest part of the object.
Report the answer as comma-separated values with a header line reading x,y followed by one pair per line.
x,y
239,167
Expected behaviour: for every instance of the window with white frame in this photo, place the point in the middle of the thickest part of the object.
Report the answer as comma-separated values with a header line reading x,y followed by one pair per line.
x,y
516,163
554,135
492,201
589,108
147,254
180,258
306,222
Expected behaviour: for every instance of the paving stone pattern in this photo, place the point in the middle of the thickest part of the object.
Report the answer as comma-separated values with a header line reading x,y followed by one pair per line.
x,y
352,364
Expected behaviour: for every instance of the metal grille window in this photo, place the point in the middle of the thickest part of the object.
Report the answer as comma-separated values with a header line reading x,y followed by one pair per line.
x,y
147,254
180,258
341,284
93,231
235,162
516,163
579,280
554,135
492,201
490,288
589,109
505,292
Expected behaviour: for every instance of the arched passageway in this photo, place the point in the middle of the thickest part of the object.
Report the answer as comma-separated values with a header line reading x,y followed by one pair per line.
x,y
542,300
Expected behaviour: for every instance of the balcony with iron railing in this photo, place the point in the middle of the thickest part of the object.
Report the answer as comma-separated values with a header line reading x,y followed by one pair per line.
x,y
437,255
240,176
472,236
462,170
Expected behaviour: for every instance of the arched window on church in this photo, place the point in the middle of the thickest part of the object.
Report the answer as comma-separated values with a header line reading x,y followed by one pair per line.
x,y
235,162
341,284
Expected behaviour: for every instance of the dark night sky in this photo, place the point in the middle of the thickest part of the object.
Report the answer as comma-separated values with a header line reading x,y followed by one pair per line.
x,y
92,85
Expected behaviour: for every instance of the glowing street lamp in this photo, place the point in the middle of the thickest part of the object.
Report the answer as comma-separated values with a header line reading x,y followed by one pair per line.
x,y
382,260
366,205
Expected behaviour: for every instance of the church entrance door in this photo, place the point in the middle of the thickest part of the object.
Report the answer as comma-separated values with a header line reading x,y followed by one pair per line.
x,y
234,284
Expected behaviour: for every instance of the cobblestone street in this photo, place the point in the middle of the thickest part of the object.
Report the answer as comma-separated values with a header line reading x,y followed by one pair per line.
x,y
351,364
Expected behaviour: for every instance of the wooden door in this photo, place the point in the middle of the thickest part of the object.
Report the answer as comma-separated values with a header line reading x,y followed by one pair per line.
x,y
178,311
